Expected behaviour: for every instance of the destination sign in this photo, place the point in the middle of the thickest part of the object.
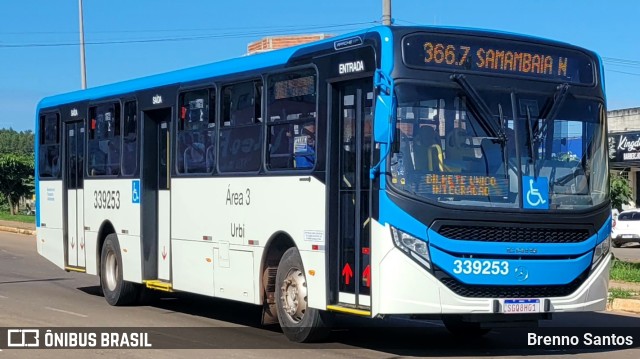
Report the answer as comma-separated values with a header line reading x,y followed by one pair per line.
x,y
488,55
466,185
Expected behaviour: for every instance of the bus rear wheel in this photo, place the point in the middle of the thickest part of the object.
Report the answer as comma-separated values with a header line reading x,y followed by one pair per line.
x,y
116,290
298,322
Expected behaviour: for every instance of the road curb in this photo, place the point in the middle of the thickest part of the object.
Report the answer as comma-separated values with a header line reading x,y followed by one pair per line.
x,y
624,305
30,232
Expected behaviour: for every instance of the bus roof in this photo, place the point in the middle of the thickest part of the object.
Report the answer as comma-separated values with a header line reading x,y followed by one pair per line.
x,y
262,60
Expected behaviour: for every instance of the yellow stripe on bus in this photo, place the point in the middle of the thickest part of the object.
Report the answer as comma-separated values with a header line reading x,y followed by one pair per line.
x,y
159,285
74,269
337,308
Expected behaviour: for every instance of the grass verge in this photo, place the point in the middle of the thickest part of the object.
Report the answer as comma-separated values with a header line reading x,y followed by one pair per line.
x,y
620,293
6,216
625,271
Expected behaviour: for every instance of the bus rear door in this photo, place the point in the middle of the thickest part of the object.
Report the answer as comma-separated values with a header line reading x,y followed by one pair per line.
x,y
156,195
73,184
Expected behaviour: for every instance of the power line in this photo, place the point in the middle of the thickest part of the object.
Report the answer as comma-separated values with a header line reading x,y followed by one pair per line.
x,y
320,26
624,72
621,61
195,37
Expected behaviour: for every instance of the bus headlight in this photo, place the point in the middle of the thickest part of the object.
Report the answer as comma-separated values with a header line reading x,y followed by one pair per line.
x,y
416,248
601,250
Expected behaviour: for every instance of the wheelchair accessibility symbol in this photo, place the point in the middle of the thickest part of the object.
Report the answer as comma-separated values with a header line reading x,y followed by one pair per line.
x,y
536,192
135,191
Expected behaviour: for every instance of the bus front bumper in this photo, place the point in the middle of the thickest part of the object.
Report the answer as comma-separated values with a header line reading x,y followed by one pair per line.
x,y
405,287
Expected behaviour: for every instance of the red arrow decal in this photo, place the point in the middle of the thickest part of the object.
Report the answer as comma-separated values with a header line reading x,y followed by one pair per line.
x,y
164,252
82,244
73,244
366,276
347,273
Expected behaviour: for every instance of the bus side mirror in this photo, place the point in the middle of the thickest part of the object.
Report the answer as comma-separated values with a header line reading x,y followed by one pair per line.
x,y
384,124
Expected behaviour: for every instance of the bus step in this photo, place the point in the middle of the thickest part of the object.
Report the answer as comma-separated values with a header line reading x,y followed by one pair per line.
x,y
349,310
75,269
158,285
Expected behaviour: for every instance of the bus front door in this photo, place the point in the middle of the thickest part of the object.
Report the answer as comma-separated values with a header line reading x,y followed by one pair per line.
x,y
156,195
73,183
352,113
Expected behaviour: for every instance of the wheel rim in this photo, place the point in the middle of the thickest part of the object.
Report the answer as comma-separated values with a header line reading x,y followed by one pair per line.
x,y
111,268
293,295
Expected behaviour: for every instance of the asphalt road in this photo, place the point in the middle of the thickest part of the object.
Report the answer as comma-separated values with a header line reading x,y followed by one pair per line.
x,y
628,252
35,293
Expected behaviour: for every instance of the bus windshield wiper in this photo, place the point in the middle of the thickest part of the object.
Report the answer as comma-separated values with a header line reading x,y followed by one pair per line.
x,y
532,143
480,108
558,99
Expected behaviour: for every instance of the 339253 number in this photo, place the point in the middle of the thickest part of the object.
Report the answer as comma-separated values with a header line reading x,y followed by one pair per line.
x,y
480,267
106,199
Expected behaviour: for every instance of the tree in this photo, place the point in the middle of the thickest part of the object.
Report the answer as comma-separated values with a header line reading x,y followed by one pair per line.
x,y
16,175
620,191
20,143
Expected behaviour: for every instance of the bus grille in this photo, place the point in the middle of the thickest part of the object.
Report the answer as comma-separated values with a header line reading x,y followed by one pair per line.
x,y
514,234
510,291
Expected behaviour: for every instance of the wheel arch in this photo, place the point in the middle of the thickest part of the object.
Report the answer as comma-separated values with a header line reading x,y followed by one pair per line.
x,y
106,228
277,244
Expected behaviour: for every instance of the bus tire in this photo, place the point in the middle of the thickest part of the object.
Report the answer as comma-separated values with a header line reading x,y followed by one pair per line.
x,y
456,326
299,323
116,291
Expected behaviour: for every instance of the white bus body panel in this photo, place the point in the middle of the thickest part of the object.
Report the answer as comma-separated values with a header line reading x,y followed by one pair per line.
x,y
50,235
193,266
316,284
239,215
122,213
51,199
401,286
92,252
50,245
131,258
235,279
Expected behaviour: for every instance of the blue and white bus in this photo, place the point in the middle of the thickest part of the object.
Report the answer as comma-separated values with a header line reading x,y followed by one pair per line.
x,y
446,173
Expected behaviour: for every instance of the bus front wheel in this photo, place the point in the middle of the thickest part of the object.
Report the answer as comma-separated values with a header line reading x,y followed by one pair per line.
x,y
116,290
298,322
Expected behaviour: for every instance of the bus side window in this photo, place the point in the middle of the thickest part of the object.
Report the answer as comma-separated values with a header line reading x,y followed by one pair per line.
x,y
196,132
130,139
104,140
241,136
49,153
291,120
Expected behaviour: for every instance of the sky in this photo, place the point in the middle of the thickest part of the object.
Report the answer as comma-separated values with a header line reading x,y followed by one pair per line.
x,y
125,39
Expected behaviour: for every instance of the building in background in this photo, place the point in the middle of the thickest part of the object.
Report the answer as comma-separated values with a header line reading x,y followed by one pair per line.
x,y
279,42
624,146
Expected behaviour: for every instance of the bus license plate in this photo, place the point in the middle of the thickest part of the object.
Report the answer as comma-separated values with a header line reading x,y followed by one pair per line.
x,y
515,306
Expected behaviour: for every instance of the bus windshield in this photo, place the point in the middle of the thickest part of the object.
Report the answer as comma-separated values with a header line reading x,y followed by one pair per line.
x,y
446,151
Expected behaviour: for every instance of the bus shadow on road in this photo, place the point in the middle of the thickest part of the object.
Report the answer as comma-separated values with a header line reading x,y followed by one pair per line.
x,y
35,280
242,329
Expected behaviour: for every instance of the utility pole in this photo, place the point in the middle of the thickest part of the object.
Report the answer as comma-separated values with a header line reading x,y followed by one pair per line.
x,y
83,70
386,12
